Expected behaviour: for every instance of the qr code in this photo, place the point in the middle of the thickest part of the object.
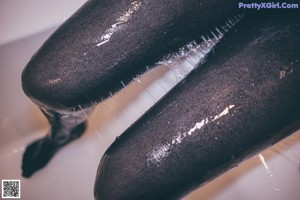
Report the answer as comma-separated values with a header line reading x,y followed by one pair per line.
x,y
11,189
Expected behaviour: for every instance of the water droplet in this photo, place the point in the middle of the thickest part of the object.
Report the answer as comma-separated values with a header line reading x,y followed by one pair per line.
x,y
262,159
206,42
137,78
83,112
123,84
162,87
228,25
230,21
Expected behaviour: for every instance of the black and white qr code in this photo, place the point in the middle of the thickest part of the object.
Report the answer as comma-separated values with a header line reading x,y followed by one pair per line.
x,y
11,189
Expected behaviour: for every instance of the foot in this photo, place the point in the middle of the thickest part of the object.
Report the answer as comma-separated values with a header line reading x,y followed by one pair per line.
x,y
39,153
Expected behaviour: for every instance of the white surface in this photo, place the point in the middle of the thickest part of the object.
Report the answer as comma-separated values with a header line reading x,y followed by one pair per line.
x,y
70,175
20,18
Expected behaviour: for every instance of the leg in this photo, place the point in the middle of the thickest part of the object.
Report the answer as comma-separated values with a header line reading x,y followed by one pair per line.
x,y
244,99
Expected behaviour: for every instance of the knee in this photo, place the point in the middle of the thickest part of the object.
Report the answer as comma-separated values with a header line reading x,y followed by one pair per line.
x,y
50,85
